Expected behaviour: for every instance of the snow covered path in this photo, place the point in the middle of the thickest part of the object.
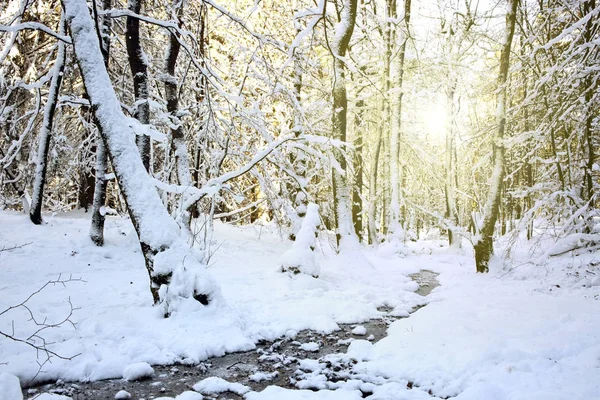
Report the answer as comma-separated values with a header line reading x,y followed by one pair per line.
x,y
518,335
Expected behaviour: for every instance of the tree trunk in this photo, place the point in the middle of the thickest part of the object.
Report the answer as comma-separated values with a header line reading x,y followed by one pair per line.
x,y
449,187
372,217
35,213
341,187
139,71
178,143
176,275
357,203
395,223
589,88
98,212
484,246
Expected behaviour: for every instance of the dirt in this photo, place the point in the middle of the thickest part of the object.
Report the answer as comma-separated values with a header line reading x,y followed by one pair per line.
x,y
278,359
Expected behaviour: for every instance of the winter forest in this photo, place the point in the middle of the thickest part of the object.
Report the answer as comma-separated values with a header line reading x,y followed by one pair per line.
x,y
299,199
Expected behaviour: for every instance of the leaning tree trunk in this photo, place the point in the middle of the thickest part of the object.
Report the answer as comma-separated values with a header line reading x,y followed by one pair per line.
x,y
139,71
98,212
484,245
176,275
178,143
341,187
35,212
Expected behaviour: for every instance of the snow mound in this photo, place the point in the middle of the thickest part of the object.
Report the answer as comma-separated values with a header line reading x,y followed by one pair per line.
x,y
263,376
300,258
310,346
359,330
215,385
51,396
122,395
360,350
136,371
10,387
189,277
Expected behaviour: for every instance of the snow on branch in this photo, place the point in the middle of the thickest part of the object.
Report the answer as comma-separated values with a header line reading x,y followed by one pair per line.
x,y
214,185
35,26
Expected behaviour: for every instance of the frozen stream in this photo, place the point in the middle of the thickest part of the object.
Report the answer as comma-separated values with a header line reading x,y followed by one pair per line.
x,y
279,360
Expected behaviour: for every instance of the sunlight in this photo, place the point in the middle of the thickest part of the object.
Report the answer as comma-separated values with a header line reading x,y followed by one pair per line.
x,y
433,118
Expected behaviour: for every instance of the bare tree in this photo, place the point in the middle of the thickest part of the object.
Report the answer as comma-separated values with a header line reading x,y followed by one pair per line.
x,y
484,244
341,187
35,213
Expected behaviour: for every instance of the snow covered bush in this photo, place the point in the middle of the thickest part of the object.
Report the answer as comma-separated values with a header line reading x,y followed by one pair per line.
x,y
301,258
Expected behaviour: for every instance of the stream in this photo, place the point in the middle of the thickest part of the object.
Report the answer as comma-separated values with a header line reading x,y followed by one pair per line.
x,y
271,363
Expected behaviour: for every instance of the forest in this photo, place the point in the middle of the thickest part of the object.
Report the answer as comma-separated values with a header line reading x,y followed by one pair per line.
x,y
270,171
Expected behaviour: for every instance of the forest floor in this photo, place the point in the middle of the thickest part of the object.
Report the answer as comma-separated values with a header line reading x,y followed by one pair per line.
x,y
530,329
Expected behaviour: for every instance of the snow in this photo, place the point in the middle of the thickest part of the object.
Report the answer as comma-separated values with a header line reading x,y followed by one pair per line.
x,y
122,395
10,387
215,385
523,331
51,396
359,330
277,393
263,376
136,371
310,346
300,258
187,395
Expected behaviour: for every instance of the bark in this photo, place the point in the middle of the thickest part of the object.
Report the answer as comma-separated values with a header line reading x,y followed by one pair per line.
x,y
589,87
298,194
373,190
178,142
35,213
395,223
449,167
98,212
357,203
139,71
341,188
171,265
484,246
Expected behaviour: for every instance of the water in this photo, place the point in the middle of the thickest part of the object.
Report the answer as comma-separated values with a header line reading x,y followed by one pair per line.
x,y
280,357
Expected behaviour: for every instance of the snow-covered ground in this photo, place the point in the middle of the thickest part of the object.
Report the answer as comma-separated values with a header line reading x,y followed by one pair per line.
x,y
528,333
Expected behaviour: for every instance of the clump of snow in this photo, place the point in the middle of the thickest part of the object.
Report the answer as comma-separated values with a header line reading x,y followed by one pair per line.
x,y
122,395
187,395
51,396
136,371
300,258
310,365
189,278
291,334
263,376
360,350
310,346
359,330
215,385
10,387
